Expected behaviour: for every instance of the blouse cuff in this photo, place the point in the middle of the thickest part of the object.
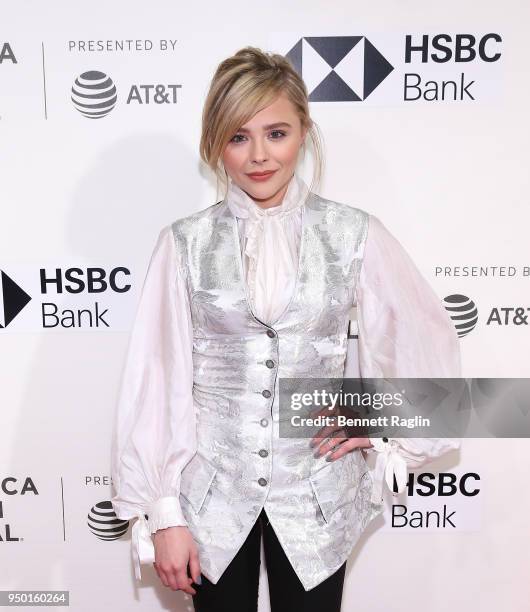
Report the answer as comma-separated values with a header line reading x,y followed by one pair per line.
x,y
165,512
389,462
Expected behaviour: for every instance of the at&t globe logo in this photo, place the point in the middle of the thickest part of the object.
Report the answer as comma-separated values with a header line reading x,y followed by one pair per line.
x,y
103,522
463,312
94,94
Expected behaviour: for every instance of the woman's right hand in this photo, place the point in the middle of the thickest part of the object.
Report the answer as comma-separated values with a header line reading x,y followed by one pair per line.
x,y
174,548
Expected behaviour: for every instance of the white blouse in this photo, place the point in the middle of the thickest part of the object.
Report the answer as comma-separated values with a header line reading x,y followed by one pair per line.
x,y
403,331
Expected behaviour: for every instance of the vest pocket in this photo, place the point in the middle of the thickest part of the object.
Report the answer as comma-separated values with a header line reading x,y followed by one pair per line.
x,y
332,491
326,491
195,481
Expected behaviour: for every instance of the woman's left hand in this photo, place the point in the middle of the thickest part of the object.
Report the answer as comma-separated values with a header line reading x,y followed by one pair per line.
x,y
327,440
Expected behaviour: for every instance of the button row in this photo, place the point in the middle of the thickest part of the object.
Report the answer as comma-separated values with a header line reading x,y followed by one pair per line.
x,y
264,422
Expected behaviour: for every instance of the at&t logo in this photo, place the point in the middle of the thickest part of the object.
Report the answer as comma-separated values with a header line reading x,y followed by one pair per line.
x,y
463,312
94,94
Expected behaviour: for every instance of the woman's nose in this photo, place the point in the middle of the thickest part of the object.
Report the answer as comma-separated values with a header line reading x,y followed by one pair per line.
x,y
259,151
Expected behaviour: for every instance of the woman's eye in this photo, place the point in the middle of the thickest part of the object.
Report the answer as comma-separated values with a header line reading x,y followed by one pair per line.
x,y
275,135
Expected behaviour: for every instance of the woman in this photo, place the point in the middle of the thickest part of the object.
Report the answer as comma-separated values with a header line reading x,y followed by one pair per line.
x,y
258,287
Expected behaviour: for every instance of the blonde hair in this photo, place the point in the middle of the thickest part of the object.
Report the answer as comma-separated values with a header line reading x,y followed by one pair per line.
x,y
242,85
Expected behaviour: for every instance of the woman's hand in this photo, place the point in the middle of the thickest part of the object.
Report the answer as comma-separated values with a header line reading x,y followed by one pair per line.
x,y
345,445
174,548
328,440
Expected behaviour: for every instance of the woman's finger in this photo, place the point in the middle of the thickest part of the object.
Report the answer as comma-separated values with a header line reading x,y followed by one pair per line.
x,y
349,445
184,581
329,444
195,567
324,432
163,576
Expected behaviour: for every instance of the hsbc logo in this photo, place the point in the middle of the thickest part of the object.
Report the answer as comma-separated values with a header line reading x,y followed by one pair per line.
x,y
12,299
339,68
389,68
80,298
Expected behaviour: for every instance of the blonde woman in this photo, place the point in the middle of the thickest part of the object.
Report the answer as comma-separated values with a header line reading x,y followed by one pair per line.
x,y
257,287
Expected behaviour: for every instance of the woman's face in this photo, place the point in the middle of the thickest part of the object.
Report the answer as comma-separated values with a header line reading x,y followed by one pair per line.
x,y
271,140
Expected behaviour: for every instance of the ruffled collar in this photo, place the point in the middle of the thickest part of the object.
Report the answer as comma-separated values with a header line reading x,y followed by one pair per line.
x,y
243,206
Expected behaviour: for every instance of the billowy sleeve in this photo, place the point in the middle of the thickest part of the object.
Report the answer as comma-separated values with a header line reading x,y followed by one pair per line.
x,y
154,429
403,332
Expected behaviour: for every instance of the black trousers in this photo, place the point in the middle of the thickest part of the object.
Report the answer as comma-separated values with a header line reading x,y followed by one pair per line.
x,y
237,589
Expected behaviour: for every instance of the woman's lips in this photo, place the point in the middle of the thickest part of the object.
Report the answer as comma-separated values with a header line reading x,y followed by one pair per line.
x,y
261,177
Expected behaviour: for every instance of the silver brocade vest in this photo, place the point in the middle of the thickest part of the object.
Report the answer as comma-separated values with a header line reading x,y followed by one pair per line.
x,y
318,509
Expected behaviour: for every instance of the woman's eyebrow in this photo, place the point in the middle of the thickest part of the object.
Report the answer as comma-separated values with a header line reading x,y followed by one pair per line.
x,y
268,127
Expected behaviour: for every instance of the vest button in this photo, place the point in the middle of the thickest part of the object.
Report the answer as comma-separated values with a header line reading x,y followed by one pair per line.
x,y
262,481
263,452
270,333
264,422
266,393
269,363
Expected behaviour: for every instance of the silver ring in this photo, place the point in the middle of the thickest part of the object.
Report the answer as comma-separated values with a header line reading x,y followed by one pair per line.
x,y
329,441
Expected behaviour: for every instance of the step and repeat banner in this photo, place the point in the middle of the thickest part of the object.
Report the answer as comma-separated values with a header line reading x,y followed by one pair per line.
x,y
423,111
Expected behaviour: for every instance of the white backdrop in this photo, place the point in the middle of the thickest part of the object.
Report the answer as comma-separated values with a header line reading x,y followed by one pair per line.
x,y
448,177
